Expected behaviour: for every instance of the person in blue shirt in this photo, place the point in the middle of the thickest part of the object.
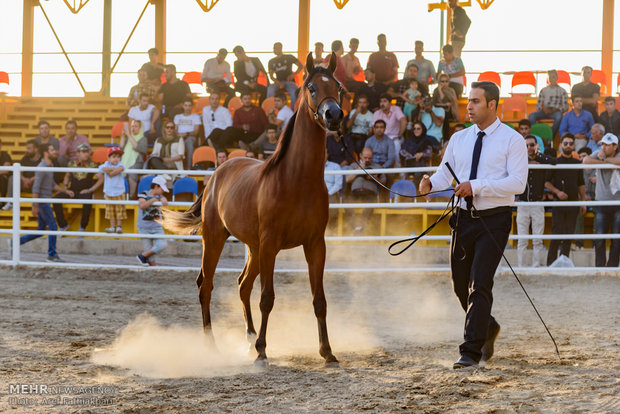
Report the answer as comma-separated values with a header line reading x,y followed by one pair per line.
x,y
578,122
382,146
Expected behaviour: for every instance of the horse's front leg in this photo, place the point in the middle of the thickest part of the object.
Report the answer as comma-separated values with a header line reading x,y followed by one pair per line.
x,y
267,262
315,256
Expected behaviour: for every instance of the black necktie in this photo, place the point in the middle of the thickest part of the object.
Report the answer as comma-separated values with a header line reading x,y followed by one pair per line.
x,y
475,160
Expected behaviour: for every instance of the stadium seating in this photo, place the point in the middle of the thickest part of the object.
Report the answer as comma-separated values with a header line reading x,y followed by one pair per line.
x,y
204,153
184,185
234,104
100,155
145,183
598,76
404,187
525,77
237,153
542,130
491,77
514,109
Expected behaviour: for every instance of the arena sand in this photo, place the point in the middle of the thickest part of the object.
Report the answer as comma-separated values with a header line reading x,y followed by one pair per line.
x,y
131,341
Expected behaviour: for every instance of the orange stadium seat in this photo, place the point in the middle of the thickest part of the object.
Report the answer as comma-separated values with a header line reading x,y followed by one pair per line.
x,y
515,107
524,78
490,76
100,155
563,77
204,153
262,79
4,77
267,104
192,77
117,129
598,76
237,153
200,104
234,104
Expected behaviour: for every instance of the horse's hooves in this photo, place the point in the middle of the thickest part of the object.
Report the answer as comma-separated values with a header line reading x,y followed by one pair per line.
x,y
261,363
332,364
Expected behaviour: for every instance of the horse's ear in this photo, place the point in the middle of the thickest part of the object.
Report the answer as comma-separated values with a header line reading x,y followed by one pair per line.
x,y
309,63
333,61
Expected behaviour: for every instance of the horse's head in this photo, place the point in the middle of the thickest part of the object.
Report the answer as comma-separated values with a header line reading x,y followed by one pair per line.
x,y
324,93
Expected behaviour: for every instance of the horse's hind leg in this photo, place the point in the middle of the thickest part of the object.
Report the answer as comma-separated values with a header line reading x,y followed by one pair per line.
x,y
212,244
246,281
315,256
267,263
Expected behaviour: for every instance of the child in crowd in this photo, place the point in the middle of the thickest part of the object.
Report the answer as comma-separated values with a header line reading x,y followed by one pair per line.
x,y
111,172
147,214
412,98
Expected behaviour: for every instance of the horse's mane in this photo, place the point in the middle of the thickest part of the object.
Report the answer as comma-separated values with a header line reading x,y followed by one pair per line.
x,y
285,138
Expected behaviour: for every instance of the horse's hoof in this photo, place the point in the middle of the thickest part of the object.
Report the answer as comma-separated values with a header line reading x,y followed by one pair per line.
x,y
332,364
261,363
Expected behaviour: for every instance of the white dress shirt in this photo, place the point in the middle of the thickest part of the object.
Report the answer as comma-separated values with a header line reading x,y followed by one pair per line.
x,y
221,119
333,182
502,171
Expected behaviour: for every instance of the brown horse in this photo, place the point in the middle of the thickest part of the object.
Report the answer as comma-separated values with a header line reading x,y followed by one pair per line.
x,y
270,206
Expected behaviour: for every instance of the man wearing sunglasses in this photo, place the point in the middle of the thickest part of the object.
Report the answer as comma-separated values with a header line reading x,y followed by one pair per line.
x,y
565,185
534,215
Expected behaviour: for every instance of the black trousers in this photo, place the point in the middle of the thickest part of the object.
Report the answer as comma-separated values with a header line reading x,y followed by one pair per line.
x,y
473,260
232,135
563,221
221,87
260,89
86,208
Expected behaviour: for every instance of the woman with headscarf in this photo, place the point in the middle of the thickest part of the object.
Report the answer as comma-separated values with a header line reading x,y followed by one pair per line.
x,y
169,150
134,145
417,150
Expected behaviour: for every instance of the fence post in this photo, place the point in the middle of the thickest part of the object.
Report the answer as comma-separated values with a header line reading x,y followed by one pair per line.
x,y
17,191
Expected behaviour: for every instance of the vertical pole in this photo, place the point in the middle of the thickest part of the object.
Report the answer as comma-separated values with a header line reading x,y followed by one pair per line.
x,y
17,190
303,35
448,24
607,45
160,28
27,46
441,28
106,48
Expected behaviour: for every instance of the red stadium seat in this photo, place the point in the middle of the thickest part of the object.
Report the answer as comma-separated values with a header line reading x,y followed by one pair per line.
x,y
514,109
563,77
598,76
237,153
491,77
117,129
100,155
200,104
192,77
524,78
4,77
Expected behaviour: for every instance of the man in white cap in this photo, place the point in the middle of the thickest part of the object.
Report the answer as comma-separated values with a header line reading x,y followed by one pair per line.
x,y
147,214
606,218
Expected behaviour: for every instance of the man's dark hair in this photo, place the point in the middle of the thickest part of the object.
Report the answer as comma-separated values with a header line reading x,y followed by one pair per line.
x,y
380,121
491,91
587,150
552,72
43,148
281,95
448,49
153,50
42,122
525,122
530,136
569,136
380,35
71,121
336,45
386,96
32,142
271,126
190,100
419,42
238,49
245,93
143,95
610,99
222,52
153,185
319,43
354,40
172,67
220,151
586,67
360,96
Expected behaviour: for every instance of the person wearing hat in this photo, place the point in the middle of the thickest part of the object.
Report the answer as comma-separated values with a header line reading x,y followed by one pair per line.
x,y
80,185
247,70
606,218
148,213
216,74
111,172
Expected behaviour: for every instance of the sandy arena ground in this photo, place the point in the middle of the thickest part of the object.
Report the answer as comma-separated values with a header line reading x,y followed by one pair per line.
x,y
132,342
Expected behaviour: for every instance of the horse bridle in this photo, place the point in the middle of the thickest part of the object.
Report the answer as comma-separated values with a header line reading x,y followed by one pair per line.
x,y
315,112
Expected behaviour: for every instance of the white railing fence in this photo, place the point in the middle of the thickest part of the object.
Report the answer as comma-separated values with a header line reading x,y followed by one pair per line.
x,y
16,231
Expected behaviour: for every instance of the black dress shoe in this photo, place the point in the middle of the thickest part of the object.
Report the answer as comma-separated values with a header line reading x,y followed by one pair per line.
x,y
464,362
489,345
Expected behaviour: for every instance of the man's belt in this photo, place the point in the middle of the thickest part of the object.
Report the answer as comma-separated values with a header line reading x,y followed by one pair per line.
x,y
488,212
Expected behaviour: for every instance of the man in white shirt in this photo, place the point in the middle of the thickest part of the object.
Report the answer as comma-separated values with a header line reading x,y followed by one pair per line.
x,y
148,114
278,116
216,74
215,119
360,121
490,161
187,125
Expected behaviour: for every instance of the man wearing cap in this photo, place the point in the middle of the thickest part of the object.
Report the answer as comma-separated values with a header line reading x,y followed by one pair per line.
x,y
606,217
216,74
80,185
247,70
147,214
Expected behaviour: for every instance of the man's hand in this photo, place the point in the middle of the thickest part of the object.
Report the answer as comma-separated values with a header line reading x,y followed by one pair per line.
x,y
70,193
85,191
35,211
163,200
582,210
562,195
425,187
463,190
152,130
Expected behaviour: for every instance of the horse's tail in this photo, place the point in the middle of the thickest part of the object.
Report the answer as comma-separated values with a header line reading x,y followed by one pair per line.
x,y
186,222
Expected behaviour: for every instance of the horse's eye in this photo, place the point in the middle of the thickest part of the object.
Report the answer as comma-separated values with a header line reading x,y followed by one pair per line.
x,y
312,88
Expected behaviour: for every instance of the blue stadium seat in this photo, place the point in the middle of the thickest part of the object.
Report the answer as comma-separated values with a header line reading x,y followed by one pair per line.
x,y
404,187
145,183
184,185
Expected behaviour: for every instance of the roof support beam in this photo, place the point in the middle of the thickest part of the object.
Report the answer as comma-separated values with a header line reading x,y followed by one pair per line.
x,y
607,45
303,36
27,46
160,28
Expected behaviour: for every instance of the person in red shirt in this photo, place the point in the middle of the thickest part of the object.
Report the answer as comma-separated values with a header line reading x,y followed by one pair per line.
x,y
383,63
249,122
340,73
